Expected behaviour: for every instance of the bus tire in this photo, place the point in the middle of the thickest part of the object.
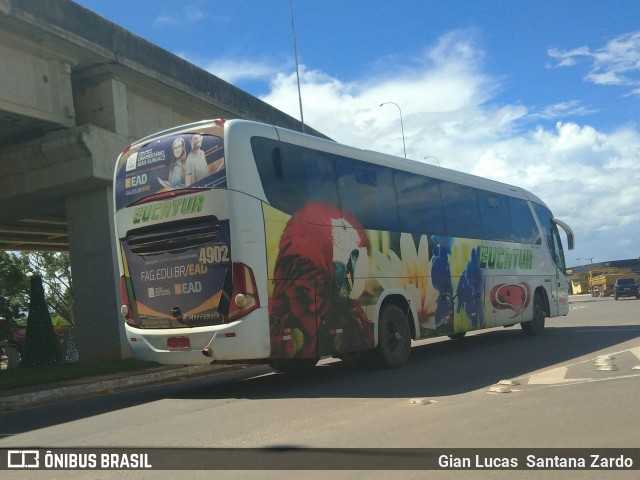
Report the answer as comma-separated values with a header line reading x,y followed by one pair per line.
x,y
457,336
292,365
394,338
535,327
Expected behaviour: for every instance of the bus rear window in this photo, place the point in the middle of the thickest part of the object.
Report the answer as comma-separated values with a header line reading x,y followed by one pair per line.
x,y
170,163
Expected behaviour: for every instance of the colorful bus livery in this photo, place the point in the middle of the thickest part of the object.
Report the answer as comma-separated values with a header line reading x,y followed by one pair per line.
x,y
292,248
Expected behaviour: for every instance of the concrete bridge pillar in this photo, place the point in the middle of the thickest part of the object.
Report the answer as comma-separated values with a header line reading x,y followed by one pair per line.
x,y
99,331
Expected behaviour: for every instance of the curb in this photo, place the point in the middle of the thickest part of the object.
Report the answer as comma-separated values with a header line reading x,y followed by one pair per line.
x,y
93,386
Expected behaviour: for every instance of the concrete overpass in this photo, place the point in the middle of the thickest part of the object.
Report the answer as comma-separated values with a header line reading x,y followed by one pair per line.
x,y
74,90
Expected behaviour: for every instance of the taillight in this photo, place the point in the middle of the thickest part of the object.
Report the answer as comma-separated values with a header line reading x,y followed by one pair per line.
x,y
244,293
125,308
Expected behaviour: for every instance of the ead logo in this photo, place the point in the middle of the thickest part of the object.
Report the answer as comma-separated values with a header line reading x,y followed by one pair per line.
x,y
132,162
23,459
187,287
135,181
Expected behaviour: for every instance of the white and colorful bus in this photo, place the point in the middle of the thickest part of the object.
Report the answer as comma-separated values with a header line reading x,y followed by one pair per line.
x,y
241,242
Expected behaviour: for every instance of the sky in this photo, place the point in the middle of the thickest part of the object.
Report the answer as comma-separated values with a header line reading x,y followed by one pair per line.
x,y
540,94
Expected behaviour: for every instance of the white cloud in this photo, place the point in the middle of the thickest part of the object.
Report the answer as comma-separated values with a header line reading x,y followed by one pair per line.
x,y
588,177
558,110
617,63
568,58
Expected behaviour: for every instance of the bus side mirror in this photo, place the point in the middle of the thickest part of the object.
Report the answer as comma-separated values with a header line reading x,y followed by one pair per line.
x,y
567,230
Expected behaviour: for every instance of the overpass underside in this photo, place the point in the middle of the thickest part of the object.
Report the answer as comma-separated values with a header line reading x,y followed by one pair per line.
x,y
74,90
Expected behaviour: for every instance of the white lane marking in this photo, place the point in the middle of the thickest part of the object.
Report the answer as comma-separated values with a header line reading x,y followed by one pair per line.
x,y
636,352
556,376
553,377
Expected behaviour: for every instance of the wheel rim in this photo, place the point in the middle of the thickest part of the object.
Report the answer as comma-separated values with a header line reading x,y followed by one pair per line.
x,y
394,337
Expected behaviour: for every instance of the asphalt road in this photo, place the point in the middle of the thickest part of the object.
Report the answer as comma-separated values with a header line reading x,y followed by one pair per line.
x,y
575,386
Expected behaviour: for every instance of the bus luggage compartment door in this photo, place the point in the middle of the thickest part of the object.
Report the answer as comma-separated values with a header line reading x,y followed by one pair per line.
x,y
313,319
293,321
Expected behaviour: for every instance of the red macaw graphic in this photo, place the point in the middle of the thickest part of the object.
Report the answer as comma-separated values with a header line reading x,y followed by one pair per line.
x,y
320,272
512,297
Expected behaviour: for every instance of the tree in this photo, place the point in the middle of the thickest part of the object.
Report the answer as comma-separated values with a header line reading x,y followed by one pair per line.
x,y
55,270
14,292
15,272
42,346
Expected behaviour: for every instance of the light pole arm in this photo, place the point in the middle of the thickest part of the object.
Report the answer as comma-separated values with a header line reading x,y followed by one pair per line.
x,y
404,147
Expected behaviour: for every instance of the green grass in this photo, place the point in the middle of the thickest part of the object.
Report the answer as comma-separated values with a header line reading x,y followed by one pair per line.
x,y
31,376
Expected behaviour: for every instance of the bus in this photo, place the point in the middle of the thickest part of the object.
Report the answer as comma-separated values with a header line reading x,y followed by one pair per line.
x,y
242,242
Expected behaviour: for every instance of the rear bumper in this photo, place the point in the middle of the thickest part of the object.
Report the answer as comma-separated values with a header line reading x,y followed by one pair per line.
x,y
626,294
245,339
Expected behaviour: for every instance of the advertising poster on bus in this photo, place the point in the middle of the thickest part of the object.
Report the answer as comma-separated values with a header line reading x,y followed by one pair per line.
x,y
174,162
181,287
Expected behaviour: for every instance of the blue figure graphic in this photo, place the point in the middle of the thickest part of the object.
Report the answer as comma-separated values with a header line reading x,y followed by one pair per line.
x,y
470,292
441,280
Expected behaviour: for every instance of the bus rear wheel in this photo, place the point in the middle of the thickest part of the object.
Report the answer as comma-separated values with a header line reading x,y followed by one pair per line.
x,y
394,338
536,325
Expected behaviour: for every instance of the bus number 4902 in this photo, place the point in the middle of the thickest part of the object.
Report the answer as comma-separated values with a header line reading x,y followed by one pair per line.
x,y
214,254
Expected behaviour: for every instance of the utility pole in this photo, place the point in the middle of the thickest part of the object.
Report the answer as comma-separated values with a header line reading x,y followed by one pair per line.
x,y
295,53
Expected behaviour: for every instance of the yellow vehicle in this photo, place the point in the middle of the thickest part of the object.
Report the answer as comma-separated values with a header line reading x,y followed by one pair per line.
x,y
602,281
580,283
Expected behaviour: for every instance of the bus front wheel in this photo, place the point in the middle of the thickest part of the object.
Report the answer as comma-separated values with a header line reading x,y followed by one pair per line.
x,y
536,325
394,337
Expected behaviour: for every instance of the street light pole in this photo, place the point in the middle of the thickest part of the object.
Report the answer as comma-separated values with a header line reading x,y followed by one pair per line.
x,y
401,124
295,53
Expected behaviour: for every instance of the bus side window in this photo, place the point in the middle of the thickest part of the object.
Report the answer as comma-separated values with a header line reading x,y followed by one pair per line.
x,y
271,163
277,163
319,171
366,191
461,211
494,212
551,233
293,175
419,203
557,248
522,222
